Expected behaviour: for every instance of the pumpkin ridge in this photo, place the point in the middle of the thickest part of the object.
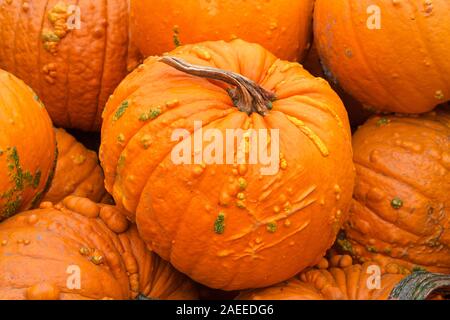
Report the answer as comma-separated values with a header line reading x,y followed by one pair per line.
x,y
14,53
268,73
392,176
318,105
430,52
118,184
101,73
174,235
86,176
310,134
138,129
68,150
414,122
39,41
399,261
67,95
112,245
351,21
377,216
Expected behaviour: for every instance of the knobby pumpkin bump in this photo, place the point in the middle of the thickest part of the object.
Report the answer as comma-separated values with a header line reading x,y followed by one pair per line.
x,y
27,147
78,249
72,53
399,215
77,172
339,278
227,225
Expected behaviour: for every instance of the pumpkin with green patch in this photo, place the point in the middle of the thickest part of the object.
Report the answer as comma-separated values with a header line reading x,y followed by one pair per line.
x,y
73,53
27,147
399,215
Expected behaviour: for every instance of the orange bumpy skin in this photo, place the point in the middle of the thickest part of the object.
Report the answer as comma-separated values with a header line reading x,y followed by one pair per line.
x,y
357,112
228,226
399,216
283,26
72,69
77,172
44,251
27,147
336,279
401,64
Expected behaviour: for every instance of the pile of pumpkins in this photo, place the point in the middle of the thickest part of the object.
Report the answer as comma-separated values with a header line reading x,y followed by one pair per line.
x,y
358,90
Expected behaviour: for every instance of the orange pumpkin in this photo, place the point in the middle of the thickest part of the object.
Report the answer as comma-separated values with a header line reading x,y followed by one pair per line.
x,y
228,225
27,147
390,55
281,26
73,53
77,172
357,112
399,216
80,250
340,279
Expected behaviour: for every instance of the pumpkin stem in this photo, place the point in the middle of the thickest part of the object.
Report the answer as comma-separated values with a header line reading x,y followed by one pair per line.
x,y
420,285
247,96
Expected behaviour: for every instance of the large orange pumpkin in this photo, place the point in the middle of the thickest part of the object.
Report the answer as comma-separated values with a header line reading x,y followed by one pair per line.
x,y
339,279
77,172
80,250
73,67
230,226
27,147
399,216
281,26
391,55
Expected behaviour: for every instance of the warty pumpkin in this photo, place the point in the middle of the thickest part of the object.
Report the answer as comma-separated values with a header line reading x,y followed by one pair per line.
x,y
399,215
228,226
72,53
340,279
390,55
81,250
77,172
284,27
27,147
